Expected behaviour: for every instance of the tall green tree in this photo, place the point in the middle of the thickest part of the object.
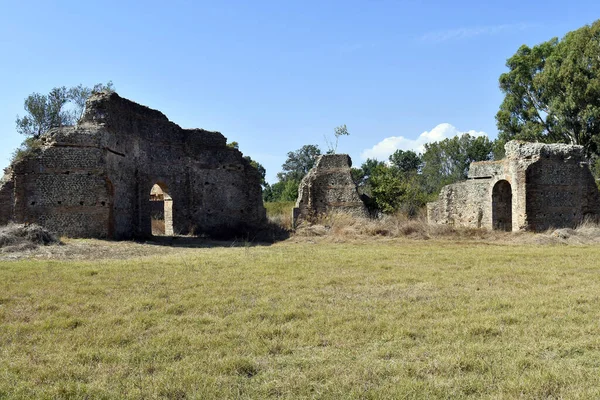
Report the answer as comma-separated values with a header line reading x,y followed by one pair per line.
x,y
448,161
299,162
406,160
552,91
361,175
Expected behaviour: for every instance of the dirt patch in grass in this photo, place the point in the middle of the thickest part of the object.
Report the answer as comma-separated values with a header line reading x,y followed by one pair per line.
x,y
26,242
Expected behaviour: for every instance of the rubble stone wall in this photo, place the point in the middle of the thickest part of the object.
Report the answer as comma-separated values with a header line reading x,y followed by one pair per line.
x,y
94,179
328,186
549,186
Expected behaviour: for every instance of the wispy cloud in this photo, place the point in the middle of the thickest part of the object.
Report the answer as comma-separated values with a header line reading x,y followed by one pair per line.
x,y
469,32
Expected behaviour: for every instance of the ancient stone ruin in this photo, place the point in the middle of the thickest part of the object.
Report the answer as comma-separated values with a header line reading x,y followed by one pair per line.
x,y
328,186
536,187
124,163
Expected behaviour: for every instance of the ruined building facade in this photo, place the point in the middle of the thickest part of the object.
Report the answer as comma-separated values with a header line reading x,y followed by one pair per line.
x,y
536,187
328,186
123,161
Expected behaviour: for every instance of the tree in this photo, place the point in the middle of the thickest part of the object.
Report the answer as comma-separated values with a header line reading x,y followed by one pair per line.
x,y
299,162
361,175
338,131
406,161
79,95
552,91
395,190
44,112
448,161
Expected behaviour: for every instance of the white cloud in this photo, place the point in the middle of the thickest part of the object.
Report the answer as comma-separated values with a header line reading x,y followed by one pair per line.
x,y
382,150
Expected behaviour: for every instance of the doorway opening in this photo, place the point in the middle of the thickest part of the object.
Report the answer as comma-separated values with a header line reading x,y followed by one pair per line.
x,y
161,210
502,206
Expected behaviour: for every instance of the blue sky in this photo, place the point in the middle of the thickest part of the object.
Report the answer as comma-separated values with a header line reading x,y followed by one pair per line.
x,y
275,75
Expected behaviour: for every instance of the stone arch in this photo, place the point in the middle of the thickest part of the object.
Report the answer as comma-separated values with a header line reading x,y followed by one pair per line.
x,y
161,210
502,206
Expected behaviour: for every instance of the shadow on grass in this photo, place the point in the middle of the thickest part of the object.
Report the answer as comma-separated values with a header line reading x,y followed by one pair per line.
x,y
269,234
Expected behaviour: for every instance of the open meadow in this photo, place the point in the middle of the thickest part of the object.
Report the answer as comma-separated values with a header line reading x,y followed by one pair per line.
x,y
309,317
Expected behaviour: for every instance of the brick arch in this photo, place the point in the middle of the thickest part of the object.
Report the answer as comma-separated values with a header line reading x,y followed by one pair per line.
x,y
160,195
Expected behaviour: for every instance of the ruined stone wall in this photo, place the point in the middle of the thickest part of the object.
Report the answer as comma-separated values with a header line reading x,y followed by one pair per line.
x,y
6,199
94,180
462,203
328,186
549,185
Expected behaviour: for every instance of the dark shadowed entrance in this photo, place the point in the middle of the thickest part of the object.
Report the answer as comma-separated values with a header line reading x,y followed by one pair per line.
x,y
502,206
161,206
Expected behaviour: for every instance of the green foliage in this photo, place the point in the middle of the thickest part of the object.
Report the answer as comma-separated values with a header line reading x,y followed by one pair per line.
x,y
411,179
44,112
362,175
79,94
30,147
448,161
290,190
394,190
406,161
341,130
299,162
552,91
281,191
296,166
387,187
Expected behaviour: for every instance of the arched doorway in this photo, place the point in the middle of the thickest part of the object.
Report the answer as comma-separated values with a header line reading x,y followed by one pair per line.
x,y
161,210
502,206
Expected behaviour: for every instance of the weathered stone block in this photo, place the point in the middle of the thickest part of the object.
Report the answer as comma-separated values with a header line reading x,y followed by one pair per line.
x,y
328,186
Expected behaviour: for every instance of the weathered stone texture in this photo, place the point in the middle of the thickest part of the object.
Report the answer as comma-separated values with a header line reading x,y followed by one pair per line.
x,y
328,186
536,187
95,179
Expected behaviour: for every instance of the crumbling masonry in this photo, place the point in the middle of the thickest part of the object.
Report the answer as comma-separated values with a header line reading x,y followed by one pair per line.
x,y
105,176
328,186
536,187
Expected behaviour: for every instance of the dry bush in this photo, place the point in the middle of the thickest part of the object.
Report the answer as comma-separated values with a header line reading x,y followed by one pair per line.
x,y
19,237
344,225
587,232
158,226
280,213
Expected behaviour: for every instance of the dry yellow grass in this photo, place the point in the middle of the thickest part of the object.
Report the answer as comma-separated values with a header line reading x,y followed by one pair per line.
x,y
305,318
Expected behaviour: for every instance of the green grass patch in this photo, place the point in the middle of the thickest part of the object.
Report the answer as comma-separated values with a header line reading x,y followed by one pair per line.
x,y
371,320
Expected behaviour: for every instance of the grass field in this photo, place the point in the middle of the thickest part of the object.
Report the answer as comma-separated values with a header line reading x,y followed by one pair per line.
x,y
375,319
